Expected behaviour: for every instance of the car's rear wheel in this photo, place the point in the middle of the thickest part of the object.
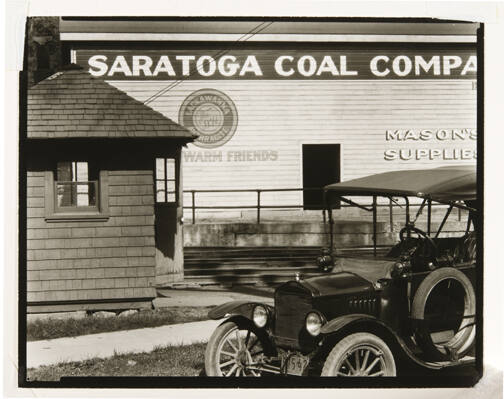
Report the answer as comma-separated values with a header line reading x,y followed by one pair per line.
x,y
234,351
360,355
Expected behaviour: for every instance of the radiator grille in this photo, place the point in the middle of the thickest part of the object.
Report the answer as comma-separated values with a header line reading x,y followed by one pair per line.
x,y
291,308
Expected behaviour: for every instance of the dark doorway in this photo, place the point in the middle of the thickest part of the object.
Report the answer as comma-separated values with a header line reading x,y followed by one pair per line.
x,y
321,166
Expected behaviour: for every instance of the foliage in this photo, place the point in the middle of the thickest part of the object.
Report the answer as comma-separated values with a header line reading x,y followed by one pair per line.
x,y
56,328
43,48
42,26
167,361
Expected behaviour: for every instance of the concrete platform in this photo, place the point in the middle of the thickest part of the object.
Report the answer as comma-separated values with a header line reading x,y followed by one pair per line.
x,y
347,233
72,349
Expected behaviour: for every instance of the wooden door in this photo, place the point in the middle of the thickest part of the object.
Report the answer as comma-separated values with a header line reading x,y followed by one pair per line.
x,y
168,221
321,166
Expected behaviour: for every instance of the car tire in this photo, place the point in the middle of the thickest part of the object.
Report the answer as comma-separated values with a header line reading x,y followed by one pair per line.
x,y
360,355
228,351
463,339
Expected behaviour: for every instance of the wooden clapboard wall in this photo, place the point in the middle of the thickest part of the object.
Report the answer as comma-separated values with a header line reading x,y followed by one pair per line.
x,y
283,103
280,116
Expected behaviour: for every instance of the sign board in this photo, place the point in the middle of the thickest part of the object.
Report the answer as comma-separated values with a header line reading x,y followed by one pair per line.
x,y
211,64
425,144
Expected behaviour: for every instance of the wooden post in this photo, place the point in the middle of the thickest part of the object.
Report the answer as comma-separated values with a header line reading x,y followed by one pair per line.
x,y
258,206
407,216
429,216
193,206
391,215
374,225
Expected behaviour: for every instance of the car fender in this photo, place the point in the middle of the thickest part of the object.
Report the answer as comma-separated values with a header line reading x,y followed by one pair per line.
x,y
338,324
236,308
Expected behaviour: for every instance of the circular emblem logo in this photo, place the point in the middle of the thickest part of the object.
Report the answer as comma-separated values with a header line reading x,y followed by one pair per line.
x,y
210,114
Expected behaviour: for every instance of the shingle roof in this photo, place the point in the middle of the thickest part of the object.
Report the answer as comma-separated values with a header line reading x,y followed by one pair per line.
x,y
73,103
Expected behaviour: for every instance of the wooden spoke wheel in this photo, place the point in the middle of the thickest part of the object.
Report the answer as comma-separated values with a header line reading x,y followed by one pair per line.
x,y
360,355
233,351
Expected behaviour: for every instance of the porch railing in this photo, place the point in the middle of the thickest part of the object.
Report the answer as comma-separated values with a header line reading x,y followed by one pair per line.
x,y
258,206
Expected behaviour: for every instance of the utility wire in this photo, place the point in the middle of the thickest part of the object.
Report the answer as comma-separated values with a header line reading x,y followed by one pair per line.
x,y
246,36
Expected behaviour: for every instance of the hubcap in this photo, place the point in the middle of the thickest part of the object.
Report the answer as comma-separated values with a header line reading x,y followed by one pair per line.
x,y
362,361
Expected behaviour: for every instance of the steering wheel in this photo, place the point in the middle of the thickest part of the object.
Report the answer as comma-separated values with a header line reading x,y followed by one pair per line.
x,y
433,247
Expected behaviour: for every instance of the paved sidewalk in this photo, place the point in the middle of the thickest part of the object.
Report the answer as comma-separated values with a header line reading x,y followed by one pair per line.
x,y
104,345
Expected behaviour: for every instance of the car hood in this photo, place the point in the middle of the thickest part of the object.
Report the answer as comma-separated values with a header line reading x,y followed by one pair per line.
x,y
370,269
342,283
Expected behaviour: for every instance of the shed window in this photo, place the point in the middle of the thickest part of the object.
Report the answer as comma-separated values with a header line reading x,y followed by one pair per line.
x,y
166,187
74,186
76,190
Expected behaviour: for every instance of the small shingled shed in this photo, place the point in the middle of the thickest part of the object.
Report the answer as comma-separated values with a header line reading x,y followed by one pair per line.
x,y
104,196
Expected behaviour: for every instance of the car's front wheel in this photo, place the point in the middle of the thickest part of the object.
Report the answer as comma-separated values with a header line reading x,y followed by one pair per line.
x,y
360,355
234,351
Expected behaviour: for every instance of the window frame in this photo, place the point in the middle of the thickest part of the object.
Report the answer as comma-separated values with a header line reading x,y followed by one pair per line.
x,y
165,181
73,182
99,212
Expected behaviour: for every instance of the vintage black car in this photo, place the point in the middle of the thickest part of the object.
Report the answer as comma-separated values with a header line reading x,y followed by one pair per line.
x,y
366,315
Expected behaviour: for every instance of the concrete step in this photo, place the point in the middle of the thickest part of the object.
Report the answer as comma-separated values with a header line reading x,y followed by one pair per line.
x,y
270,250
255,254
251,271
233,279
256,265
251,258
260,254
198,252
250,264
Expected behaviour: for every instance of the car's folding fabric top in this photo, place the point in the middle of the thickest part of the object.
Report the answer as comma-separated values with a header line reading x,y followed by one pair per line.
x,y
448,183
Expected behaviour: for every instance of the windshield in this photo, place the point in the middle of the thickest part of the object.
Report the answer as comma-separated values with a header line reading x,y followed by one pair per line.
x,y
384,226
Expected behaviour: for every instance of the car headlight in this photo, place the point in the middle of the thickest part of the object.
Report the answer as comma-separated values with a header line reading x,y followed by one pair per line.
x,y
314,323
260,316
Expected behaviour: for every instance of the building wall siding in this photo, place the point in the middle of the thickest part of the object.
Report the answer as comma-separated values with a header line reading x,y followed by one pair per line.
x,y
280,116
85,260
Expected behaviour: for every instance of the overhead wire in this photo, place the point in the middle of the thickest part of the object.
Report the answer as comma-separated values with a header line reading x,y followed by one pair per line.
x,y
246,36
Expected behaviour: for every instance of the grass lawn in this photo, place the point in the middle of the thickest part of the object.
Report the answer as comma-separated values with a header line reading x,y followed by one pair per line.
x,y
167,361
57,328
